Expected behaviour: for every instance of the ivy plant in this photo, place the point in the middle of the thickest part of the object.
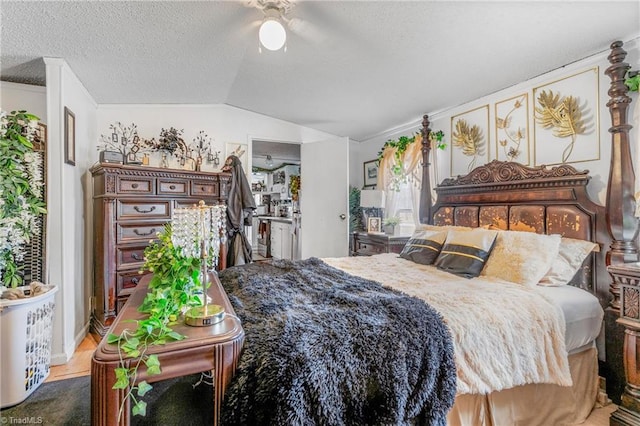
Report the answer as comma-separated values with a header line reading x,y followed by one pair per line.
x,y
633,80
174,287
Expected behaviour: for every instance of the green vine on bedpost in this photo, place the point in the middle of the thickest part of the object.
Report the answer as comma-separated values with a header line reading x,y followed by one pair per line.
x,y
175,286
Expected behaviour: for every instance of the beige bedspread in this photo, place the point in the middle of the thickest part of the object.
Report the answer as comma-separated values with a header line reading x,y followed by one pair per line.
x,y
505,335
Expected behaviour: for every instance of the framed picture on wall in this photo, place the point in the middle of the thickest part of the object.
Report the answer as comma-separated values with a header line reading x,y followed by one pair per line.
x,y
240,151
370,174
469,140
69,137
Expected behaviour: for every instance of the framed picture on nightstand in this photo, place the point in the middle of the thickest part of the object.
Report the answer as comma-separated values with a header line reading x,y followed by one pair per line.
x,y
374,224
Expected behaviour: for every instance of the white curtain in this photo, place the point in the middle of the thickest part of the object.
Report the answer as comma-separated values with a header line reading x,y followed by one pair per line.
x,y
402,189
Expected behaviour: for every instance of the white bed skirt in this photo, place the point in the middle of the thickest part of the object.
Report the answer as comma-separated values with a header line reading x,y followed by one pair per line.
x,y
536,404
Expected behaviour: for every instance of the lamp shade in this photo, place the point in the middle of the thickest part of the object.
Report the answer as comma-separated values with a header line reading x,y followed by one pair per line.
x,y
372,198
272,34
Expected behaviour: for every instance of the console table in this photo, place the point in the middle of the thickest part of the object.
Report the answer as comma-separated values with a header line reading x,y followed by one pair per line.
x,y
214,348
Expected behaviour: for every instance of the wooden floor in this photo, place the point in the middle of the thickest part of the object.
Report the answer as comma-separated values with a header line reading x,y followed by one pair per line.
x,y
80,365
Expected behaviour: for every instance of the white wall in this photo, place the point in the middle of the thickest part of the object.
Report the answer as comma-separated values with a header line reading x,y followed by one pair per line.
x,y
15,97
223,123
441,120
66,219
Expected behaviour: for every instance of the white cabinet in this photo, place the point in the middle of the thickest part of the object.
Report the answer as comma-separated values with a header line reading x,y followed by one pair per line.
x,y
281,240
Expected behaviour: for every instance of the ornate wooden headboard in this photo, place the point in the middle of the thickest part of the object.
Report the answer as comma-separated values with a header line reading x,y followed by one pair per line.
x,y
511,196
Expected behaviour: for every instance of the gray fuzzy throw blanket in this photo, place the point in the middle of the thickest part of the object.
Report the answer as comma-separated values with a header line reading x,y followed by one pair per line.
x,y
324,347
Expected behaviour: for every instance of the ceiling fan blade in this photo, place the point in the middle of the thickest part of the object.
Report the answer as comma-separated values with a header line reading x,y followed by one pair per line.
x,y
306,30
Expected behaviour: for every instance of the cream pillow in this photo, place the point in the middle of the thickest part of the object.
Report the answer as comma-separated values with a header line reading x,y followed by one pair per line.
x,y
522,257
439,228
570,257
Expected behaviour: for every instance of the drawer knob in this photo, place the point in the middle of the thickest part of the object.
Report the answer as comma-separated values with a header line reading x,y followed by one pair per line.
x,y
139,210
203,189
172,187
144,234
136,256
134,280
134,185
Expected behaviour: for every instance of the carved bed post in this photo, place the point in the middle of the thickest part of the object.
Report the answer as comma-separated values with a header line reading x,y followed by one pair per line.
x,y
622,224
621,318
426,215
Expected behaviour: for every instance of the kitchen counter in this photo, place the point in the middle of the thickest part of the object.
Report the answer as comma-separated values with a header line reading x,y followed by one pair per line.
x,y
276,218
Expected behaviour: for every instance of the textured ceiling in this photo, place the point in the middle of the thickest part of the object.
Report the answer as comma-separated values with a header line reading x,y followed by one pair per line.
x,y
352,68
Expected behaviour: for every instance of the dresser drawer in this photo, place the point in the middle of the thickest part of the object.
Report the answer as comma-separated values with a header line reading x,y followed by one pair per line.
x,y
126,231
128,281
130,209
135,185
204,189
368,248
172,187
130,256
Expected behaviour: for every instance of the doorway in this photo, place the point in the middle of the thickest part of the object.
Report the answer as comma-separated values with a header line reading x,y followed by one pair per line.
x,y
274,172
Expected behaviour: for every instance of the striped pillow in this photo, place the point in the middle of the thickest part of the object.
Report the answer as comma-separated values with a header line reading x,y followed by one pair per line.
x,y
423,247
465,253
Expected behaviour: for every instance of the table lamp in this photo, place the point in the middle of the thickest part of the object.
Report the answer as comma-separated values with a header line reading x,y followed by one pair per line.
x,y
198,231
372,202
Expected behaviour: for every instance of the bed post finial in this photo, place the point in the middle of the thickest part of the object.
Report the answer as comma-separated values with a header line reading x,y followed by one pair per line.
x,y
426,216
621,223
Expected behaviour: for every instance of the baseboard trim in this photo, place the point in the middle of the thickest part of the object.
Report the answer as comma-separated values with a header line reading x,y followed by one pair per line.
x,y
64,357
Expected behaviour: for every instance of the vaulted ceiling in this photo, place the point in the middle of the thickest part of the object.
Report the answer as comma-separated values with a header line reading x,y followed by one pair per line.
x,y
352,68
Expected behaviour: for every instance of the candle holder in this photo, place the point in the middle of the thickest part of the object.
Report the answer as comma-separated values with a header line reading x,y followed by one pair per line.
x,y
199,231
201,149
123,139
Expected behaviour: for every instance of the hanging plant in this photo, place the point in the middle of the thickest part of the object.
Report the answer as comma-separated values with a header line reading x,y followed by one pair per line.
x,y
174,287
633,80
437,139
21,192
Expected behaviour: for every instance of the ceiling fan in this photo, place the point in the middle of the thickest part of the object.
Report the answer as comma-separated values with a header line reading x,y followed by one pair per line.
x,y
272,33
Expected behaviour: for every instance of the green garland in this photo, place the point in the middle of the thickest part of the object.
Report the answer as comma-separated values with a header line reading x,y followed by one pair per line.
x,y
633,80
174,287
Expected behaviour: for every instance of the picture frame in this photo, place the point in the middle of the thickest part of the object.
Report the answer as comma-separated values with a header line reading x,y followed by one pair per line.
x,y
69,137
374,224
583,144
511,123
370,169
472,125
240,150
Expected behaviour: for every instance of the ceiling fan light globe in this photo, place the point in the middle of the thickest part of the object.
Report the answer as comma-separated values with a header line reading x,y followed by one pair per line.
x,y
272,34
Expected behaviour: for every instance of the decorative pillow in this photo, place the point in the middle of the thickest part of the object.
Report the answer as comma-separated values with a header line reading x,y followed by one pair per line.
x,y
424,246
440,228
570,257
522,257
465,252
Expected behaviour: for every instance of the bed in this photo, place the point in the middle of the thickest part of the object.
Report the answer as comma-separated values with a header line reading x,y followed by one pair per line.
x,y
504,197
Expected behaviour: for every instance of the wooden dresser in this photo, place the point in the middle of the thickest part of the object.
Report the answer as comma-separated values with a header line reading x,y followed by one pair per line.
x,y
130,205
367,244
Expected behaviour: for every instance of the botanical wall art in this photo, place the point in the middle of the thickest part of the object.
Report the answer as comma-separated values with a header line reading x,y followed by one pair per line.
x,y
566,119
469,140
512,129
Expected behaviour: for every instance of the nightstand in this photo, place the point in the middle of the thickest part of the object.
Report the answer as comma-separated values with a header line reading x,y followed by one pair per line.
x,y
367,244
627,277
